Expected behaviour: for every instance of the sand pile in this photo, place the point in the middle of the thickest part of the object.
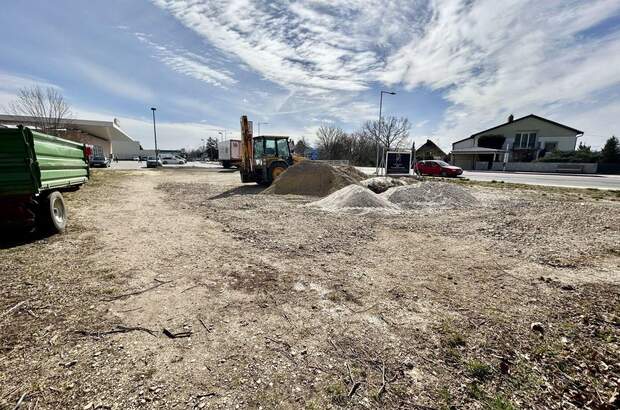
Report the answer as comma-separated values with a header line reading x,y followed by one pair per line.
x,y
430,194
312,178
382,184
353,197
352,172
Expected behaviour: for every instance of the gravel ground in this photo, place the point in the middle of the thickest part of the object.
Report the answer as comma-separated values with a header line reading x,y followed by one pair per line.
x,y
512,303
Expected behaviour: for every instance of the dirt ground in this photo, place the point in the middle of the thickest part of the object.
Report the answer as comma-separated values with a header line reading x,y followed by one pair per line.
x,y
514,303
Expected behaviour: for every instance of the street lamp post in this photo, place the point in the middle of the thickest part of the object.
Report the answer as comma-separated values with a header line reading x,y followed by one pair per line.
x,y
381,125
155,135
264,123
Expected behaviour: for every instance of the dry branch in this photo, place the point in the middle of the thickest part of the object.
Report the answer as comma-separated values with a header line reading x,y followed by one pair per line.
x,y
119,329
17,306
139,292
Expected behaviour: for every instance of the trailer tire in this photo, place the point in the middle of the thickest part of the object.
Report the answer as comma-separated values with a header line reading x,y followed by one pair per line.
x,y
53,213
226,164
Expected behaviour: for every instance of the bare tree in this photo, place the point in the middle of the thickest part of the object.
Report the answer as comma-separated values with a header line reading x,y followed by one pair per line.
x,y
363,149
393,132
332,142
47,107
302,147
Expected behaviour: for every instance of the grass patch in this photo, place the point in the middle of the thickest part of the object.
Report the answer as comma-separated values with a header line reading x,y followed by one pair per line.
x,y
479,370
500,403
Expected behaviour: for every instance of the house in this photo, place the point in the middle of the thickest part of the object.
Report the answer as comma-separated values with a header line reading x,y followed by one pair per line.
x,y
520,140
106,137
430,150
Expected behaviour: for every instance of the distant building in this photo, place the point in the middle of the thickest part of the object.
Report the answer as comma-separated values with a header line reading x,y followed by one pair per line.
x,y
106,137
518,140
430,150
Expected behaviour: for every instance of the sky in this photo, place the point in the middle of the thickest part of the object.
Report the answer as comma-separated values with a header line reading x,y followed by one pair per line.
x,y
457,66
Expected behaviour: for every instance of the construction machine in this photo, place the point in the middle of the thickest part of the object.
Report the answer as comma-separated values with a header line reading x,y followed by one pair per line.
x,y
263,158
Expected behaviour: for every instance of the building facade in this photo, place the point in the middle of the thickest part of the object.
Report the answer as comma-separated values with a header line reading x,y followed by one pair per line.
x,y
106,137
430,150
518,140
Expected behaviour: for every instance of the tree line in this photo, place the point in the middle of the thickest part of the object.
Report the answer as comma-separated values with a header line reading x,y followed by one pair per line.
x,y
358,147
609,154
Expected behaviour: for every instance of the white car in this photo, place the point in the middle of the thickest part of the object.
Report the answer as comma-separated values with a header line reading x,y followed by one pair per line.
x,y
173,160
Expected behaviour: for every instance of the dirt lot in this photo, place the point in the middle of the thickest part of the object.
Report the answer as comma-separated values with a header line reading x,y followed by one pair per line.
x,y
514,303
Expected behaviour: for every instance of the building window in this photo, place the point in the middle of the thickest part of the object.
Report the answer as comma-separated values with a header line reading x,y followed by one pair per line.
x,y
551,146
525,140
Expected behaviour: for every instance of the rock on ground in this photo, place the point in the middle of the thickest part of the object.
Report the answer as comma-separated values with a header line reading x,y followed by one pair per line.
x,y
430,194
382,184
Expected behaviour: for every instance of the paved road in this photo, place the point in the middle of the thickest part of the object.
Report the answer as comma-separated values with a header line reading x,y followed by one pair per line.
x,y
561,180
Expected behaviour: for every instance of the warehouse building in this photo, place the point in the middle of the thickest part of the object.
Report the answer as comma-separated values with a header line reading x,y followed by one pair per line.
x,y
106,137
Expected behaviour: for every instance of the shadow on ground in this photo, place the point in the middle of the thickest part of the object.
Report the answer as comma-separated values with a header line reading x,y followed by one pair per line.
x,y
241,190
12,238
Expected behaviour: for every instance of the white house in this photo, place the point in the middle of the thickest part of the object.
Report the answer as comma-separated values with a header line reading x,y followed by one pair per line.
x,y
518,140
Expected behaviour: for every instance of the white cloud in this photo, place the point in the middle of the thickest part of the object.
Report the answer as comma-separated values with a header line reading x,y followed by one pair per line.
x,y
190,64
523,57
11,83
170,134
314,46
487,59
108,80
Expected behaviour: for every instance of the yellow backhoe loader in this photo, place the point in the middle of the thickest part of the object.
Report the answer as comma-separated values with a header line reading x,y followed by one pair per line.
x,y
263,158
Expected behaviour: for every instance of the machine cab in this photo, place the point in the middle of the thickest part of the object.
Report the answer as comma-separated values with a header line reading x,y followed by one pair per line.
x,y
269,148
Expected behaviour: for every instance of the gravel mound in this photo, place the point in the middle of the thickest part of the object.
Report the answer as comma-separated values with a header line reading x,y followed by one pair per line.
x,y
312,178
382,184
430,195
352,172
353,197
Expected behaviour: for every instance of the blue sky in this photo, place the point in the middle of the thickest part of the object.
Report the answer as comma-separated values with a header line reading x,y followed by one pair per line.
x,y
458,66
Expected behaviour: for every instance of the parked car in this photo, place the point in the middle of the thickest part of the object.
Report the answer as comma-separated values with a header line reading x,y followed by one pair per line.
x,y
172,159
151,162
98,161
437,168
136,158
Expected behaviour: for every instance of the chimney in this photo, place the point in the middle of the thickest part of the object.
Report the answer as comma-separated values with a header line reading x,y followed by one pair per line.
x,y
511,118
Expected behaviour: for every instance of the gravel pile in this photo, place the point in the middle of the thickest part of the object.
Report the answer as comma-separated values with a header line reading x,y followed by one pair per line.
x,y
430,195
353,197
382,184
313,179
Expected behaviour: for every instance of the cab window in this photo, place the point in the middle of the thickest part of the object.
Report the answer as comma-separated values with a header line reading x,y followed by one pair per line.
x,y
283,148
270,148
258,149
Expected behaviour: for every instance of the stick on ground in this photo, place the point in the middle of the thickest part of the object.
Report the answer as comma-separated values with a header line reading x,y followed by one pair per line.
x,y
119,329
13,308
139,292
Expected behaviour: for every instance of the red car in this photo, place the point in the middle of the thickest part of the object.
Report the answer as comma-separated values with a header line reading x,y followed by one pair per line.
x,y
437,168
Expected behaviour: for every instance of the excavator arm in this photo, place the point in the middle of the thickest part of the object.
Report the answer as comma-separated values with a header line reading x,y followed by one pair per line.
x,y
247,164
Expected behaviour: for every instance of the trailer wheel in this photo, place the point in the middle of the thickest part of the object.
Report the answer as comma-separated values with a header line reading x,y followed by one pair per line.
x,y
226,164
53,213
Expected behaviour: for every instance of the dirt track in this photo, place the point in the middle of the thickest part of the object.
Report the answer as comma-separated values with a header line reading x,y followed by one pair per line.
x,y
292,307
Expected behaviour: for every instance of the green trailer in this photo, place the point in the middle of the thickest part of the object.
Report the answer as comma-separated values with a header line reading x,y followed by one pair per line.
x,y
34,169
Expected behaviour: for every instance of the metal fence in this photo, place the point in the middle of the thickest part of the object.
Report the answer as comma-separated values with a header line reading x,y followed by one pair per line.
x,y
334,161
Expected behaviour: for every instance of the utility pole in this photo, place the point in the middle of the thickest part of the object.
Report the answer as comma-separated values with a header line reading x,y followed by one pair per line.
x,y
380,125
264,123
155,135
